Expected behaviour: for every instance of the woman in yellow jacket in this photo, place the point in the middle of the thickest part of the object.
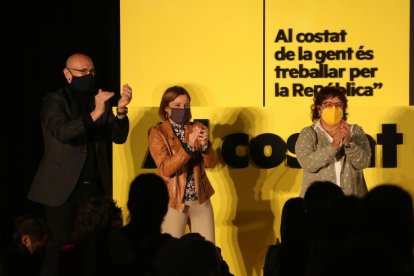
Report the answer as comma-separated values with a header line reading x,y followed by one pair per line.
x,y
181,151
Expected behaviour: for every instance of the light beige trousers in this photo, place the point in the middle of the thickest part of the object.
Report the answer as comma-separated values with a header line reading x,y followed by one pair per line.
x,y
200,218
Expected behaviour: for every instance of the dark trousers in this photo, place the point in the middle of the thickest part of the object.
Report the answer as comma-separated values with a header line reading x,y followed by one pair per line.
x,y
60,223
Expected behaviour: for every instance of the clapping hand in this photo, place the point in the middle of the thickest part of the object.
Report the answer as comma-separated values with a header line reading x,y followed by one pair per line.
x,y
125,99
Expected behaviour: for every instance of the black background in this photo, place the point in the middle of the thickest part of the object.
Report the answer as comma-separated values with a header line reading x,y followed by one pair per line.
x,y
37,37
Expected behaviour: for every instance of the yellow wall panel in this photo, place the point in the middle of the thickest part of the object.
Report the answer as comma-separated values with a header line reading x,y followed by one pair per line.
x,y
223,53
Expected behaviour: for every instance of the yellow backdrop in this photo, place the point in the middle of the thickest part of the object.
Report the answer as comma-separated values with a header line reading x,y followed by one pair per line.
x,y
225,53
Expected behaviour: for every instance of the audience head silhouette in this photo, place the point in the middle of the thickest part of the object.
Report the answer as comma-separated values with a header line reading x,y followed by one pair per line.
x,y
319,199
148,199
97,216
191,255
31,232
25,252
387,212
293,222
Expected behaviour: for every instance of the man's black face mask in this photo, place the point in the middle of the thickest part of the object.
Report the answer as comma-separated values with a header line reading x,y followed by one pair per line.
x,y
83,85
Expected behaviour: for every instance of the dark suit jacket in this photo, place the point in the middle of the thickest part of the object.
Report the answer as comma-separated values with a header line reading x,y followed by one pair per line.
x,y
64,133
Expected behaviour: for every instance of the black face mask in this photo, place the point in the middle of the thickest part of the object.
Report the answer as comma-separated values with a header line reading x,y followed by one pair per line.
x,y
83,85
180,115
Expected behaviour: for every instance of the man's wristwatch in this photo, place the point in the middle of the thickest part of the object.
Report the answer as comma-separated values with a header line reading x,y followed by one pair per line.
x,y
125,112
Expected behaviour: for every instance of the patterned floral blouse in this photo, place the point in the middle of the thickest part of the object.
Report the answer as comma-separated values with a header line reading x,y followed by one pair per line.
x,y
190,192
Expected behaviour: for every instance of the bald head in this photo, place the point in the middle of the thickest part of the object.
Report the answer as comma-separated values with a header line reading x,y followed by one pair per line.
x,y
76,65
78,59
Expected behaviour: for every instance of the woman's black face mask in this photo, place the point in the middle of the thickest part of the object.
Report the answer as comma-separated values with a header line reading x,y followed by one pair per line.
x,y
180,115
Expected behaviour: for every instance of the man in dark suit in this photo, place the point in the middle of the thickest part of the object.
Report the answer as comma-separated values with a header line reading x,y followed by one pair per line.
x,y
77,124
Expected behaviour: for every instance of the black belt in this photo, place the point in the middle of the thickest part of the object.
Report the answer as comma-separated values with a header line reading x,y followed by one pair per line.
x,y
86,182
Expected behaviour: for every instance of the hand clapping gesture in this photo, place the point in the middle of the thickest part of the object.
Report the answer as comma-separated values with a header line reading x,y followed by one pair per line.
x,y
125,99
341,136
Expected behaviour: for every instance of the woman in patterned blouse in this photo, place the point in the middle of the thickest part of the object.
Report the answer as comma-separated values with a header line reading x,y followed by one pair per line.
x,y
181,151
331,149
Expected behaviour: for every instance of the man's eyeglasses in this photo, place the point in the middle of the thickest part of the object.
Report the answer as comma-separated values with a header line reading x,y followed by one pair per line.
x,y
331,104
84,71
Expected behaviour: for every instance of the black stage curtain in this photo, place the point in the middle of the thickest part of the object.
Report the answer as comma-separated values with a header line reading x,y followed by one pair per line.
x,y
37,37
